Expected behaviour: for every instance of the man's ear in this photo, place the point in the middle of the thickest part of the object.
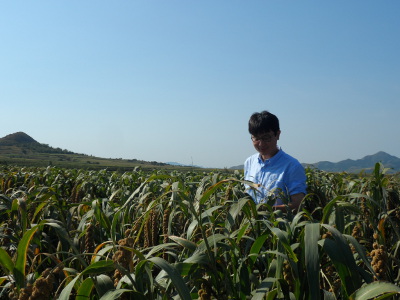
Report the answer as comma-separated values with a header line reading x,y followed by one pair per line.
x,y
278,134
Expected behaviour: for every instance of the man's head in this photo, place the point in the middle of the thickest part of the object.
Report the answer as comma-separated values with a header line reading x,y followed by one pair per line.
x,y
265,132
263,122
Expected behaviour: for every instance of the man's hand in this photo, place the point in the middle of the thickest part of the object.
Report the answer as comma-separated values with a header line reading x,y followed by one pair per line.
x,y
294,203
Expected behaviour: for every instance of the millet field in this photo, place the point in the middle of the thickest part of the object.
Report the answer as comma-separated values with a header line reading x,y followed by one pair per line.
x,y
80,234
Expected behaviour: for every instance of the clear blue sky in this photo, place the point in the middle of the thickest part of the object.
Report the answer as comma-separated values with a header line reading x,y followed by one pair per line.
x,y
176,81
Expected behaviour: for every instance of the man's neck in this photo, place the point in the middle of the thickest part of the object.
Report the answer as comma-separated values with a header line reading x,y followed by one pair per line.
x,y
269,155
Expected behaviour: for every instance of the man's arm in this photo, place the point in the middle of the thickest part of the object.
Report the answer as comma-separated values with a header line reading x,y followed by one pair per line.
x,y
296,200
294,203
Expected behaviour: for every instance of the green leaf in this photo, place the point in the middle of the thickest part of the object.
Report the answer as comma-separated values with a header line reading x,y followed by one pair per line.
x,y
99,267
100,216
329,208
23,213
175,277
66,292
212,240
7,201
311,237
343,259
39,208
385,296
184,268
116,220
115,294
284,242
14,206
240,232
244,279
200,258
3,279
210,211
103,284
142,271
191,228
257,245
234,211
22,250
375,289
272,294
62,233
85,289
361,251
329,295
264,288
208,193
339,218
5,261
184,242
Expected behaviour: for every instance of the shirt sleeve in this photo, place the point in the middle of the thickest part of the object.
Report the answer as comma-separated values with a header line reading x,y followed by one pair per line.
x,y
297,181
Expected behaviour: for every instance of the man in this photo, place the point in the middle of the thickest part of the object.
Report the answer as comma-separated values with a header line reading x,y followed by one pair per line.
x,y
275,173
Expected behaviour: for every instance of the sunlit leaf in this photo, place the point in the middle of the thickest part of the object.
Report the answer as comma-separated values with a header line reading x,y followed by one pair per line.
x,y
66,292
22,251
103,284
284,241
85,289
99,267
375,289
175,277
5,261
265,288
257,245
343,259
311,236
184,242
116,294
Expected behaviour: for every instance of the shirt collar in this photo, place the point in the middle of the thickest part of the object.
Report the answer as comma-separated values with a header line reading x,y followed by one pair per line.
x,y
272,159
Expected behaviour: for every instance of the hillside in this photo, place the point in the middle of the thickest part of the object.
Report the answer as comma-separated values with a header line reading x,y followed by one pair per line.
x,y
21,149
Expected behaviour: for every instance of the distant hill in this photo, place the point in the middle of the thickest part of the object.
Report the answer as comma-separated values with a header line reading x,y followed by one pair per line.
x,y
21,142
18,138
173,163
22,150
366,164
239,167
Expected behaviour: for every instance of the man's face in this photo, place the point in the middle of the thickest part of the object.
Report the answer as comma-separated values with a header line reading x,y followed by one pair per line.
x,y
266,142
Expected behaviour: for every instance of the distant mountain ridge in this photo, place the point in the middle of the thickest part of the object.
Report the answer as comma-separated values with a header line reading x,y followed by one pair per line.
x,y
21,145
366,164
174,163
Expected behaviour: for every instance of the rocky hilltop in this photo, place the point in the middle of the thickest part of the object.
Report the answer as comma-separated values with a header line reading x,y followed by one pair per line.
x,y
18,138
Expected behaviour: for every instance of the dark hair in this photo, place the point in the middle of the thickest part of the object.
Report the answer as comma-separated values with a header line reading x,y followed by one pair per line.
x,y
263,122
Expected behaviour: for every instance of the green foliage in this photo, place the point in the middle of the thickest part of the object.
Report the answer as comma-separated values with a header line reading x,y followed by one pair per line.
x,y
194,235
